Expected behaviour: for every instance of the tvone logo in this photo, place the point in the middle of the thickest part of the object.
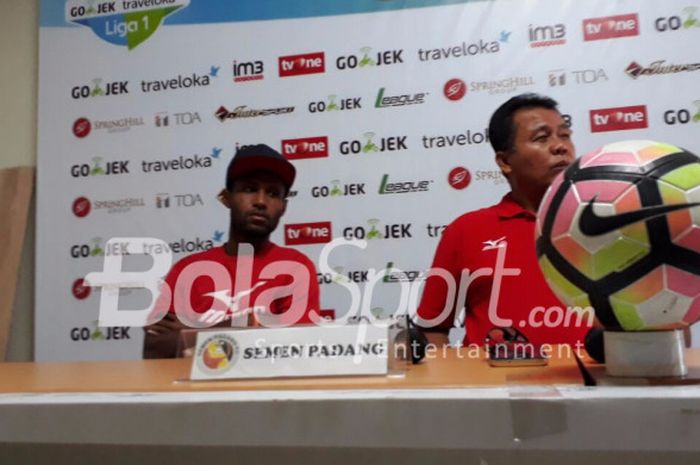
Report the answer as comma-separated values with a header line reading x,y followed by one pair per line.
x,y
618,119
307,147
611,27
307,233
308,63
683,115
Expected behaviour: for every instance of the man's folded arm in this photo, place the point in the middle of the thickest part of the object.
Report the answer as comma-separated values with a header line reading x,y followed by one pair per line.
x,y
432,315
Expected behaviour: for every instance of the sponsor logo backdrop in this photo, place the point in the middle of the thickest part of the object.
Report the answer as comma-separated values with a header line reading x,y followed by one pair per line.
x,y
383,111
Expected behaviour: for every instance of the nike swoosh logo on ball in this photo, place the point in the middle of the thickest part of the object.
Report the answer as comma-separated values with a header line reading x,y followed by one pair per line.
x,y
592,224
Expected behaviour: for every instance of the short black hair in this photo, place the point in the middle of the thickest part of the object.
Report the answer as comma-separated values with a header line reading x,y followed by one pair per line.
x,y
501,128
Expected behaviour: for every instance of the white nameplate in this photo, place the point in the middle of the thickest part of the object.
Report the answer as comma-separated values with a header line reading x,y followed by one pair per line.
x,y
286,352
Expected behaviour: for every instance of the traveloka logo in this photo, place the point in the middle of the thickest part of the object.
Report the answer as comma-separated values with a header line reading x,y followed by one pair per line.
x,y
181,163
186,81
482,47
126,23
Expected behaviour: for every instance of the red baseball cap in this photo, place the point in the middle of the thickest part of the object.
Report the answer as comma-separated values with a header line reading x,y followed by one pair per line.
x,y
260,157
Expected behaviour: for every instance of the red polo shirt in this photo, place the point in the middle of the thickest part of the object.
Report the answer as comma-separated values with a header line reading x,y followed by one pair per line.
x,y
277,280
469,251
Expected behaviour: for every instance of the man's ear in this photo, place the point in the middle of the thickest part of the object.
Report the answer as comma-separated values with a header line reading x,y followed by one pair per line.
x,y
502,160
284,207
223,198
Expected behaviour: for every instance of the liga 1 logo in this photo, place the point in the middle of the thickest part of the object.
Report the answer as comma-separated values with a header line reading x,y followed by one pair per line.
x,y
217,354
126,23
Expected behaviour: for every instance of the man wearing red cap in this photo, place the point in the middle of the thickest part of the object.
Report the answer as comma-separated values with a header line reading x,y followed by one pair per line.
x,y
249,281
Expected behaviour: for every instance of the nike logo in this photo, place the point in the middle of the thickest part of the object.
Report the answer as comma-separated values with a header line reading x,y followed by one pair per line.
x,y
591,224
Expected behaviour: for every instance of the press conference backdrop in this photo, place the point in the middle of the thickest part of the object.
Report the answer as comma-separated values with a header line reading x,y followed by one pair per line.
x,y
381,105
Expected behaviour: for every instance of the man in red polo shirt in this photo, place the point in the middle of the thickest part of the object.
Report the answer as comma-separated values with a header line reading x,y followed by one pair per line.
x,y
249,281
490,253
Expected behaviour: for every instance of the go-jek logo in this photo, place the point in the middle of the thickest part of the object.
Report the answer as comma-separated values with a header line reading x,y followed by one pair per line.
x,y
127,23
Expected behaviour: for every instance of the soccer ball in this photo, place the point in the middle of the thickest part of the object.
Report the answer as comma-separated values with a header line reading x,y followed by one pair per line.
x,y
619,231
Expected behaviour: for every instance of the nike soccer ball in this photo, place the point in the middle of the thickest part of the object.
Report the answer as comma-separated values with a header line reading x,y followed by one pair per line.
x,y
619,231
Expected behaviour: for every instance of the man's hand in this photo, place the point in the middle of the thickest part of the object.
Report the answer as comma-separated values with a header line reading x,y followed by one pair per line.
x,y
161,338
